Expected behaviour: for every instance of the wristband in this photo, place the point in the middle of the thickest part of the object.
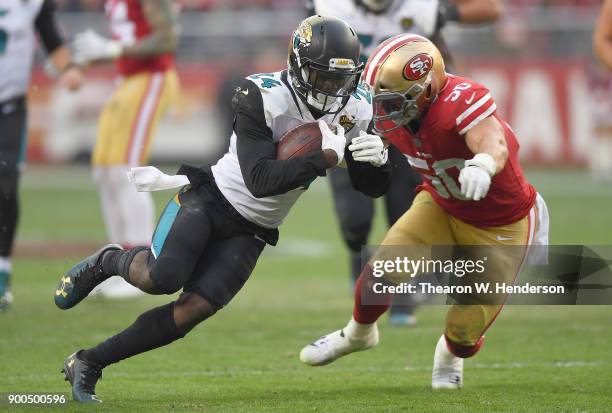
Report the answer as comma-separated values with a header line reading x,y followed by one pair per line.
x,y
484,161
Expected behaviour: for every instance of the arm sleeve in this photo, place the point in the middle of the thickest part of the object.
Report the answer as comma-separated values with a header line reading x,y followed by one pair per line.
x,y
263,174
366,178
46,27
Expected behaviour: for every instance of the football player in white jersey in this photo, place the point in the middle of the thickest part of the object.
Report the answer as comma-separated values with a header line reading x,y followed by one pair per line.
x,y
212,232
376,21
20,22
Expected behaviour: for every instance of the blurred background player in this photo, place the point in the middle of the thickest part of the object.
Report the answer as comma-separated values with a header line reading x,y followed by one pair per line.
x,y
144,40
20,21
600,159
473,193
602,37
375,21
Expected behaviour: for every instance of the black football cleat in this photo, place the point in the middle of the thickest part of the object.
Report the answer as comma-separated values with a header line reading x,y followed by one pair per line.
x,y
78,282
83,377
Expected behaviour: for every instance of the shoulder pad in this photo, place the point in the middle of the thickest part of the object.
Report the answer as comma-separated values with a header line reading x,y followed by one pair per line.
x,y
276,97
266,80
360,103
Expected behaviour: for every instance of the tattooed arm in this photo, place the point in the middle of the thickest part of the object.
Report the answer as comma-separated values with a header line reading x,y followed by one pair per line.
x,y
162,18
90,47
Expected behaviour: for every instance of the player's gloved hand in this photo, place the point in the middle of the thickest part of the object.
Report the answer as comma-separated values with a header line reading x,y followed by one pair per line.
x,y
369,148
89,46
475,177
333,141
149,178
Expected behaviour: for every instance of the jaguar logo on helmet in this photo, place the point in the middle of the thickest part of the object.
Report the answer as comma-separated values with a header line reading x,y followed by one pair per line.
x,y
303,35
418,66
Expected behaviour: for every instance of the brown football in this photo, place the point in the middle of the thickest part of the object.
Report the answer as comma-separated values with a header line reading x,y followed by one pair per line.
x,y
299,141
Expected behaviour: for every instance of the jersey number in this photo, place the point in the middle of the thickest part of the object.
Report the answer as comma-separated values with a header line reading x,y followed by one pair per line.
x,y
443,183
454,95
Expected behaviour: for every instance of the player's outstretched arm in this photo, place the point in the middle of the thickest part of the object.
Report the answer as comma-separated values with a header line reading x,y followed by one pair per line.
x,y
488,142
488,137
68,74
90,47
602,36
59,64
162,18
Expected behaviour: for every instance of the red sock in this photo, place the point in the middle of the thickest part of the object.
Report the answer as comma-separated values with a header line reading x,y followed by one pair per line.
x,y
464,351
369,306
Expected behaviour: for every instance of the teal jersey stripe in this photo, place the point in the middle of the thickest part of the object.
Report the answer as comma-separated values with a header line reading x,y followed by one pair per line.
x,y
163,226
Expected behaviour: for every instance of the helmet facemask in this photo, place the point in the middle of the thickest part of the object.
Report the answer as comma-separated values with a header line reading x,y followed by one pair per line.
x,y
326,88
395,109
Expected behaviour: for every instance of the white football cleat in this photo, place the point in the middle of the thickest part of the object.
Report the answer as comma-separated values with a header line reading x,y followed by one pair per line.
x,y
447,368
6,297
116,288
337,344
6,301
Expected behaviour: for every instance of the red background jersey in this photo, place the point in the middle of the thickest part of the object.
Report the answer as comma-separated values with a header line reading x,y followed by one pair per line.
x,y
128,24
438,152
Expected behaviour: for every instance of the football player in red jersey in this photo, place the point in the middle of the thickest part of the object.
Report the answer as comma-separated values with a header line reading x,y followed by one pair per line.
x,y
144,39
473,193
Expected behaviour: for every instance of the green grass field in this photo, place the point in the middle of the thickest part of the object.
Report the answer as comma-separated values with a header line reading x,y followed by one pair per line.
x,y
245,358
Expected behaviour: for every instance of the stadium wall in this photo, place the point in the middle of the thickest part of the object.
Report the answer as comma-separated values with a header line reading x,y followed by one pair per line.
x,y
546,103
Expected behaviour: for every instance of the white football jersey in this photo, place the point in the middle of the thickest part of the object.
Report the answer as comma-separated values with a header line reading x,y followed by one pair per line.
x,y
17,42
404,16
283,111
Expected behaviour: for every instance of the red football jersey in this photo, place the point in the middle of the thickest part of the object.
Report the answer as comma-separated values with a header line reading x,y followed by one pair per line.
x,y
438,152
128,24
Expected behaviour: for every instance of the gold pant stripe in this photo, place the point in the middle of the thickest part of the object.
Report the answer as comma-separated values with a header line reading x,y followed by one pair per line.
x,y
143,119
129,119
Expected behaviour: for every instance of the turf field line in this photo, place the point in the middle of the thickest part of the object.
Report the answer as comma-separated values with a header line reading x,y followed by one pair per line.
x,y
261,372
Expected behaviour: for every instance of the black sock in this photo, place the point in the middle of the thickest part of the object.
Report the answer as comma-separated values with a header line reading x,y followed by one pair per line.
x,y
9,214
117,262
152,329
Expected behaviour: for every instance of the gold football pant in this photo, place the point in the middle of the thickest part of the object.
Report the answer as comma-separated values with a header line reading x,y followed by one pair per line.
x,y
426,224
129,119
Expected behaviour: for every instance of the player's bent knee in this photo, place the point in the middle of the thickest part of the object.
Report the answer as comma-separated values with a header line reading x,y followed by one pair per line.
x,y
168,276
356,236
191,309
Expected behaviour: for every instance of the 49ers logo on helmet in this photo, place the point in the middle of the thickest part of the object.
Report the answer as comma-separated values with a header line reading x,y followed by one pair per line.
x,y
418,66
